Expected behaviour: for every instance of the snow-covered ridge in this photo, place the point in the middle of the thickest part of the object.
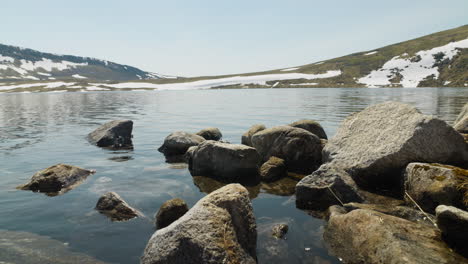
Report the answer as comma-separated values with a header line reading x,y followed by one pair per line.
x,y
412,70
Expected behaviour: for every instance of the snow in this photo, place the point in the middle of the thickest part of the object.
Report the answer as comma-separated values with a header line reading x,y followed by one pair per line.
x,y
289,69
48,65
77,76
32,78
6,58
44,74
371,53
318,63
447,82
95,88
412,72
274,85
304,84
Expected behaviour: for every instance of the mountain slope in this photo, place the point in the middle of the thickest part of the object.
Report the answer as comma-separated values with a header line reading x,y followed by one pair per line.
x,y
18,64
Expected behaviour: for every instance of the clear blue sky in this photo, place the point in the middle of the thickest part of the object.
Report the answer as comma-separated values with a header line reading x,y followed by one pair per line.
x,y
208,37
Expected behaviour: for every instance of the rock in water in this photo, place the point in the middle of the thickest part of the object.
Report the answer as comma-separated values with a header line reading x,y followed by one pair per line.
x,y
179,142
112,205
114,134
211,133
170,211
376,144
220,228
366,236
280,230
300,149
312,126
461,123
247,136
225,162
325,187
433,184
272,170
453,223
56,179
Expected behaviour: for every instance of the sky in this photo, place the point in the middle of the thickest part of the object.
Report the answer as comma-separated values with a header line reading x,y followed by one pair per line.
x,y
205,37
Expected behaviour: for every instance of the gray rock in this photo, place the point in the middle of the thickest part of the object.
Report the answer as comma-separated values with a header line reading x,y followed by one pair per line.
x,y
179,142
280,230
225,162
220,228
366,236
433,184
273,169
312,126
453,223
376,144
325,187
56,179
189,154
113,206
300,149
170,211
210,133
247,136
113,134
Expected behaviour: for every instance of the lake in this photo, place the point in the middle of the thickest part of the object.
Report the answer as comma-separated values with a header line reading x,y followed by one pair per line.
x,y
38,130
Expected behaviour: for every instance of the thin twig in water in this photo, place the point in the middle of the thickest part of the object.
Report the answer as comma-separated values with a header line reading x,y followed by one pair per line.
x,y
419,207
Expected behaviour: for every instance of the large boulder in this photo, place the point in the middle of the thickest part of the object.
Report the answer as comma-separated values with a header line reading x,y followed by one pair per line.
x,y
225,162
453,223
114,207
376,144
301,150
220,228
56,179
247,136
210,133
170,211
179,142
113,134
433,184
312,126
366,236
273,169
325,187
461,123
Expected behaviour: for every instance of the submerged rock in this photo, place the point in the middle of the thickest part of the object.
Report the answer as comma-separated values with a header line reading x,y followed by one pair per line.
x,y
225,162
325,187
273,169
312,126
453,223
433,184
247,136
280,230
210,133
366,236
376,144
300,149
112,205
114,134
220,228
170,211
461,123
209,185
56,179
179,142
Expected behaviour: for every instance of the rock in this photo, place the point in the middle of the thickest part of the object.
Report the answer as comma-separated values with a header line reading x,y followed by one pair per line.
x,y
453,223
225,162
433,184
208,185
312,126
114,134
211,133
366,236
273,169
325,187
376,144
170,211
179,142
56,179
112,205
280,230
189,154
282,187
220,228
300,149
247,136
461,123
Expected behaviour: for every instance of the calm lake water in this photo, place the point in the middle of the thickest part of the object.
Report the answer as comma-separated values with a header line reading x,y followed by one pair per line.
x,y
40,130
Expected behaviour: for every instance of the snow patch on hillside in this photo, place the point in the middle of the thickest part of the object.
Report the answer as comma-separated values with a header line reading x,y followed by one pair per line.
x,y
412,70
77,76
370,53
289,69
49,85
6,58
49,65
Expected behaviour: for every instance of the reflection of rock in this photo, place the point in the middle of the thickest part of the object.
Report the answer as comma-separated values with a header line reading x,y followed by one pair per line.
x,y
112,205
170,211
312,126
56,179
121,158
28,248
210,133
114,134
283,187
208,185
270,248
178,142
